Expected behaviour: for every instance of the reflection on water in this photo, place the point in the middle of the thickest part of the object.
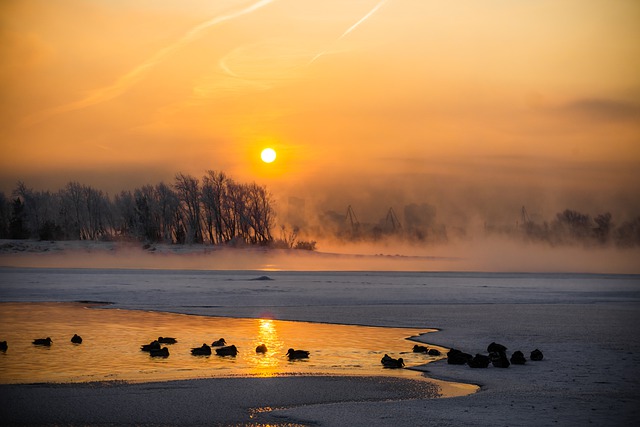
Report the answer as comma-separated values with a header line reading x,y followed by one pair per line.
x,y
112,340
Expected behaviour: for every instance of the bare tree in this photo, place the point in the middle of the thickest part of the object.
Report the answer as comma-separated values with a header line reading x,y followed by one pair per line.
x,y
188,190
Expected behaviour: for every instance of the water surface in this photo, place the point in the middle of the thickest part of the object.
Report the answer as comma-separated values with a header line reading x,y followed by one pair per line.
x,y
112,340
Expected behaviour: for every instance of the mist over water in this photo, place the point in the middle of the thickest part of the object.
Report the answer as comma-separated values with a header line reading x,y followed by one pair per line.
x,y
486,255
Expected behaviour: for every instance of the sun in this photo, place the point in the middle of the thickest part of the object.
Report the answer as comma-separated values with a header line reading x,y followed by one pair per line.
x,y
268,155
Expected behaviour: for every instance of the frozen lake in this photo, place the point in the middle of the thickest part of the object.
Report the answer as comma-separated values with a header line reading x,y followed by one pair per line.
x,y
586,325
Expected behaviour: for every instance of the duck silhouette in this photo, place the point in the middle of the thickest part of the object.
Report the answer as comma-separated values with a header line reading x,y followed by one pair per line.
x,y
153,345
517,358
3,346
229,350
297,354
163,352
43,341
205,350
261,348
167,340
219,343
420,349
76,339
390,362
536,355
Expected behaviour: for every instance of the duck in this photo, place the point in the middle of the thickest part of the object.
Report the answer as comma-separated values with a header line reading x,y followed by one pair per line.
x,y
219,343
230,350
479,361
297,354
163,352
433,352
153,345
420,349
167,340
76,339
536,355
499,359
3,346
517,358
261,348
43,341
390,362
205,350
496,348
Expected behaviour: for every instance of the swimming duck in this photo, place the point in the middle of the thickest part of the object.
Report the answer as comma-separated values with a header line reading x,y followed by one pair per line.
x,y
3,346
163,352
230,350
261,348
205,350
297,354
43,341
390,362
219,343
167,340
153,345
76,339
420,349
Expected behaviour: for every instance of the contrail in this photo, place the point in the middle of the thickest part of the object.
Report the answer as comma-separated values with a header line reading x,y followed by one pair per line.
x,y
351,28
364,18
135,75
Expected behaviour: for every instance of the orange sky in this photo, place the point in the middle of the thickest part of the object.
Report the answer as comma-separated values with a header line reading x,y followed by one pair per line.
x,y
531,102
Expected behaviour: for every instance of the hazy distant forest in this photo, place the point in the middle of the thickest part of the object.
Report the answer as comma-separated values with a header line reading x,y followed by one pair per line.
x,y
220,211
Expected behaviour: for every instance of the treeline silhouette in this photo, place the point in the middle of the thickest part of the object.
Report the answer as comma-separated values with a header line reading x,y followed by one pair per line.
x,y
215,209
418,224
570,226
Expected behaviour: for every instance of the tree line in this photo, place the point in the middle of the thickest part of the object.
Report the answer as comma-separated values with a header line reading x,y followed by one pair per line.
x,y
215,210
571,226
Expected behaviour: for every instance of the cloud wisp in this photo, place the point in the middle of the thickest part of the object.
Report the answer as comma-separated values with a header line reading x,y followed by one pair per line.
x,y
351,28
123,83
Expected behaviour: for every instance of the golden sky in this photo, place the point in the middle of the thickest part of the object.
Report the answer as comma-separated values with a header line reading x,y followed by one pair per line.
x,y
404,101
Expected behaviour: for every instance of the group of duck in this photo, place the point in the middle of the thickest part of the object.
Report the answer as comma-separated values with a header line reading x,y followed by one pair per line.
x,y
220,347
155,348
497,357
389,362
42,342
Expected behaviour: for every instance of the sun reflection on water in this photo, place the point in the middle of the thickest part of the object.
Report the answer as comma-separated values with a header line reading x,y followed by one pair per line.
x,y
112,340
